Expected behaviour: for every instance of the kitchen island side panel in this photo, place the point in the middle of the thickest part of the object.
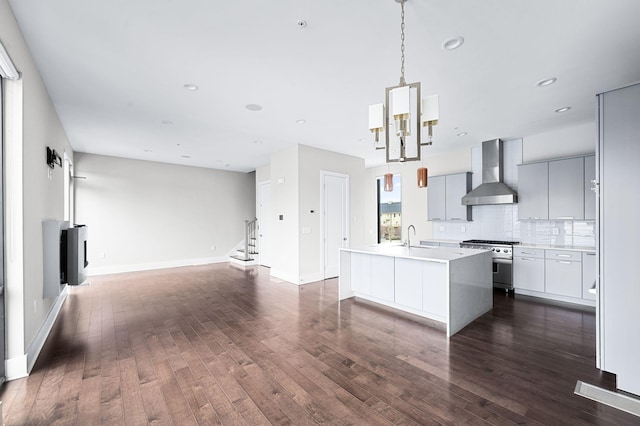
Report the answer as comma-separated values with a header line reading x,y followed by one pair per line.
x,y
470,290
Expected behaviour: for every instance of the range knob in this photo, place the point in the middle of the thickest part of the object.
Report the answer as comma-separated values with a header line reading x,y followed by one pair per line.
x,y
497,250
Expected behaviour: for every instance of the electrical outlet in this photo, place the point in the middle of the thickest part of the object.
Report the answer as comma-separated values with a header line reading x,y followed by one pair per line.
x,y
463,229
35,305
213,247
441,228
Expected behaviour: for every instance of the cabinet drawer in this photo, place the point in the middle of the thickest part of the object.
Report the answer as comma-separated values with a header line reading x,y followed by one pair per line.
x,y
528,252
528,273
574,256
563,277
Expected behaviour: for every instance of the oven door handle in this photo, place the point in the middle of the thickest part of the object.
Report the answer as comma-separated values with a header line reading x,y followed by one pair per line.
x,y
502,261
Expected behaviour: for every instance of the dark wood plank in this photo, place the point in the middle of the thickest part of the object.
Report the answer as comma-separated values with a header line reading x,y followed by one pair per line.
x,y
218,345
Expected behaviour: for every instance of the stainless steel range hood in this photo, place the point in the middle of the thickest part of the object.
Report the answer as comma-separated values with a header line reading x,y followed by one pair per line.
x,y
492,190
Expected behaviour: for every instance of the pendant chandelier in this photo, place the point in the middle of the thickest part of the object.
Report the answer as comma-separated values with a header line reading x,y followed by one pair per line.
x,y
402,116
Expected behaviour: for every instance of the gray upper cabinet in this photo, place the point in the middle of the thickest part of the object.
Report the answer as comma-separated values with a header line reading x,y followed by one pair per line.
x,y
533,191
436,198
589,194
566,189
444,197
457,186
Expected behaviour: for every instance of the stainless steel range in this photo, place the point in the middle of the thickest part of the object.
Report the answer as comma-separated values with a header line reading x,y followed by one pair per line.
x,y
502,252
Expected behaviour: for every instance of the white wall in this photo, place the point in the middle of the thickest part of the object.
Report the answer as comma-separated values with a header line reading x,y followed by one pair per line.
x,y
284,202
414,199
311,162
33,127
565,142
144,215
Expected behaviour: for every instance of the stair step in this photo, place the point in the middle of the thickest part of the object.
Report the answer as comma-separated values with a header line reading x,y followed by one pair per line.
x,y
242,258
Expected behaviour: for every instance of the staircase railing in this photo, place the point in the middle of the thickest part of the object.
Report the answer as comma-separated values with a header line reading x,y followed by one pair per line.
x,y
250,233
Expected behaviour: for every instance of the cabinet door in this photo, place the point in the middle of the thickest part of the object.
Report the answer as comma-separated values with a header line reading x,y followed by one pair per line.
x,y
409,283
456,187
588,275
563,277
528,273
566,189
589,194
436,199
533,191
361,273
382,278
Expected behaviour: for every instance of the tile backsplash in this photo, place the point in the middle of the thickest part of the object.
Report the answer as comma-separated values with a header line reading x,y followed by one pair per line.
x,y
500,222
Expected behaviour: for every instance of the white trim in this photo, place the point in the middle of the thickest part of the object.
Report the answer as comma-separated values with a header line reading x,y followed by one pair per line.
x,y
283,275
311,278
20,366
118,269
7,68
612,399
14,225
41,337
16,368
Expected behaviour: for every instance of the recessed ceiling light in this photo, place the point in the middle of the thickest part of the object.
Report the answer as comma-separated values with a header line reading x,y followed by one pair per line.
x,y
546,82
185,156
191,86
462,134
219,161
301,121
563,109
258,142
362,140
302,23
167,122
453,43
148,150
253,107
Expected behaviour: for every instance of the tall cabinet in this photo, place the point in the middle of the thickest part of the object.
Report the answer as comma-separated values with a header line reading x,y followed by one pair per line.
x,y
618,176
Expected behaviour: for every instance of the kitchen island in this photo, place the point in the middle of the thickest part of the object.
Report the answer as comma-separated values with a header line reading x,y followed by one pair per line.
x,y
450,285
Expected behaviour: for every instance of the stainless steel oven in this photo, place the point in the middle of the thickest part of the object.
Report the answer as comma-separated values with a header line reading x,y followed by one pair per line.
x,y
502,252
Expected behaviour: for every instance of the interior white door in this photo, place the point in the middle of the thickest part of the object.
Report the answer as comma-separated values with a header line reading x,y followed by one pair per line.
x,y
264,223
335,219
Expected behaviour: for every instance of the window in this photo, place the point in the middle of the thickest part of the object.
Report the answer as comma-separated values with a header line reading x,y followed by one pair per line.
x,y
390,211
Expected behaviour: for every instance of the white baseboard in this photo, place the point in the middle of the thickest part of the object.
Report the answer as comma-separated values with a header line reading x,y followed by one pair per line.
x,y
16,368
282,275
20,366
118,269
311,278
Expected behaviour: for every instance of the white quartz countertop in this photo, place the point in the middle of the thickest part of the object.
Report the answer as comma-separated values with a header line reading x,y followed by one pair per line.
x,y
434,240
566,248
431,254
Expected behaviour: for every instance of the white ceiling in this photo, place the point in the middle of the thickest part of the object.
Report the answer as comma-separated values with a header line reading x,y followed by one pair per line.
x,y
116,71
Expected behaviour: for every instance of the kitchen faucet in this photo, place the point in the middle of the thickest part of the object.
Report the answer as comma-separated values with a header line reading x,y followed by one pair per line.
x,y
409,235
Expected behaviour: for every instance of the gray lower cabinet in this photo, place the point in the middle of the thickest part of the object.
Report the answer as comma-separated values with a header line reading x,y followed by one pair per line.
x,y
533,191
563,273
589,182
589,272
436,198
528,269
566,189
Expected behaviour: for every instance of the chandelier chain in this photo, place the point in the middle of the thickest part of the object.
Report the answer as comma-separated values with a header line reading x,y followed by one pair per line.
x,y
402,81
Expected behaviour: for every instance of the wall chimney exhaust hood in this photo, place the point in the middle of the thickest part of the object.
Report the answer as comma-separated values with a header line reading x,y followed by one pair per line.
x,y
492,190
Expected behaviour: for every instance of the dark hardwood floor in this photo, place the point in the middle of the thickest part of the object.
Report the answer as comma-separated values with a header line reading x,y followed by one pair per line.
x,y
218,345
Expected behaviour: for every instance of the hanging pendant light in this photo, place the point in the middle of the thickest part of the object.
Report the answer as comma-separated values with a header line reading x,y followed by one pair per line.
x,y
388,182
423,177
403,115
